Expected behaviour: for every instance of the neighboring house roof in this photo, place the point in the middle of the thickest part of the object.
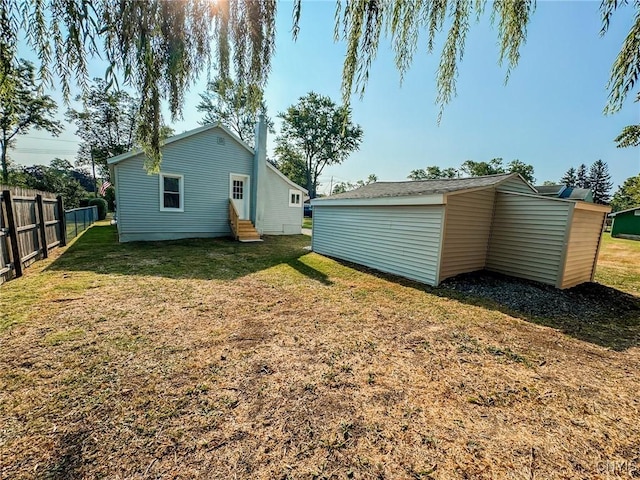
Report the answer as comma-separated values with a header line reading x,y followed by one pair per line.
x,y
181,136
625,211
282,175
562,191
551,190
574,193
423,187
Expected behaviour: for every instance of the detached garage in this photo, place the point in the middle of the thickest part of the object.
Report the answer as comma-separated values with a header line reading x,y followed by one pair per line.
x,y
626,223
435,229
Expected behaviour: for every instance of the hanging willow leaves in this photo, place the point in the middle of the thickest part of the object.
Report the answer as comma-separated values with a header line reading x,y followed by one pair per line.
x,y
157,47
160,47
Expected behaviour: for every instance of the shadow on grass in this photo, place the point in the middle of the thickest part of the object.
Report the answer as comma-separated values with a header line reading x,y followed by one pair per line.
x,y
98,250
589,312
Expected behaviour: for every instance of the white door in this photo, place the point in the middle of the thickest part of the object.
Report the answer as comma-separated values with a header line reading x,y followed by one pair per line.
x,y
239,194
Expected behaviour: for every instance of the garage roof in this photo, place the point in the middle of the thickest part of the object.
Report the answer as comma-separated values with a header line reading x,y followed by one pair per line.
x,y
421,187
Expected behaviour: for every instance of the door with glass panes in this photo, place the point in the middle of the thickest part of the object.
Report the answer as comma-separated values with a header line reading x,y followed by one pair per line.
x,y
239,194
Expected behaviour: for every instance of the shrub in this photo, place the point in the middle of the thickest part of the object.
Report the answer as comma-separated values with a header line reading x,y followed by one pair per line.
x,y
101,203
110,197
84,202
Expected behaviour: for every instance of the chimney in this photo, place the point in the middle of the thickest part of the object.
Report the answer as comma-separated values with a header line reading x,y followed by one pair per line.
x,y
259,174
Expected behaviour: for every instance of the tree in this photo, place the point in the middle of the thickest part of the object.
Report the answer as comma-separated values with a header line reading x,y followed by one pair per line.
x,y
22,107
346,186
630,137
161,47
291,163
570,178
56,178
525,171
600,182
236,106
107,125
478,169
318,131
582,177
432,172
627,195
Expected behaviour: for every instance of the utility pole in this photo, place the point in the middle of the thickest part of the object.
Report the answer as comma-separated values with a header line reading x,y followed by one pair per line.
x,y
95,183
331,186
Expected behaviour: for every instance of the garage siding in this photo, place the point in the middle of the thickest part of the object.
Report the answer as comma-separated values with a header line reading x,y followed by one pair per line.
x,y
584,237
466,232
527,238
403,240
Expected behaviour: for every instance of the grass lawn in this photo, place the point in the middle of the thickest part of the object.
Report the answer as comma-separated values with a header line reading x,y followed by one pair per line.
x,y
307,222
214,359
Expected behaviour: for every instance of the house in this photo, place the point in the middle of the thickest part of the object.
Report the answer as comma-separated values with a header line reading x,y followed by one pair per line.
x,y
562,191
435,229
210,184
626,223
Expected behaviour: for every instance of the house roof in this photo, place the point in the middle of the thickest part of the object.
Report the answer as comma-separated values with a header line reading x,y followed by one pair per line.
x,y
182,136
550,189
574,193
421,187
625,211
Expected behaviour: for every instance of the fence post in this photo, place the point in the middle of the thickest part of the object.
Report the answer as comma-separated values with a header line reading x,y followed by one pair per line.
x,y
62,221
13,234
42,227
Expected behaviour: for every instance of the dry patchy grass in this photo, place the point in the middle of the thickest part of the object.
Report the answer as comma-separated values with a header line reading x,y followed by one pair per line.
x,y
211,359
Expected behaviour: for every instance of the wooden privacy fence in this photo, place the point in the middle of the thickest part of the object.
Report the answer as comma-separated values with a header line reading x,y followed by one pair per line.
x,y
31,224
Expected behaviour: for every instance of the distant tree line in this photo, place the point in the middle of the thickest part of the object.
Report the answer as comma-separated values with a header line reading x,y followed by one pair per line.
x,y
596,178
471,168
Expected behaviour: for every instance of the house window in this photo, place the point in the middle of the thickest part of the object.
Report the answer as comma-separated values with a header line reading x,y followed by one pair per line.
x,y
238,189
295,198
171,193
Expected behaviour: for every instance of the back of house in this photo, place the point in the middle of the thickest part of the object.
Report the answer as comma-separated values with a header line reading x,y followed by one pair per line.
x,y
205,173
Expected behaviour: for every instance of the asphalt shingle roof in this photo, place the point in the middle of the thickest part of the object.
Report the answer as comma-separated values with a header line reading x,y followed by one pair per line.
x,y
421,187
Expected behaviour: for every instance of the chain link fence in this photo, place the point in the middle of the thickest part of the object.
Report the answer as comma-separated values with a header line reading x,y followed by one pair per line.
x,y
79,219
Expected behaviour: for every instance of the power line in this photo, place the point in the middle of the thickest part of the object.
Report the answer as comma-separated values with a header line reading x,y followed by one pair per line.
x,y
53,139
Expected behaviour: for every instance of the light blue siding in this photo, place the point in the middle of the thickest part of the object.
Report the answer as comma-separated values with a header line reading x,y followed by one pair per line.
x,y
403,240
206,161
279,217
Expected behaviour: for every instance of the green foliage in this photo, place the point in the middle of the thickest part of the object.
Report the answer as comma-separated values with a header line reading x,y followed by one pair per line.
x,y
525,171
630,137
597,178
404,22
600,182
478,169
570,178
471,168
110,197
22,106
433,172
101,203
318,132
627,195
582,177
346,186
161,47
106,124
236,106
58,178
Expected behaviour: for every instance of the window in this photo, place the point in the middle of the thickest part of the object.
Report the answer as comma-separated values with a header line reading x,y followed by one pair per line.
x,y
295,198
171,193
238,189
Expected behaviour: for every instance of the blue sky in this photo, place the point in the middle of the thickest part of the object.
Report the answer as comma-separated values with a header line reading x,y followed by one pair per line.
x,y
549,114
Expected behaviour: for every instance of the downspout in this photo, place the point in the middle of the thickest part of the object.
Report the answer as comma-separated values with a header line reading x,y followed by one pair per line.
x,y
259,175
